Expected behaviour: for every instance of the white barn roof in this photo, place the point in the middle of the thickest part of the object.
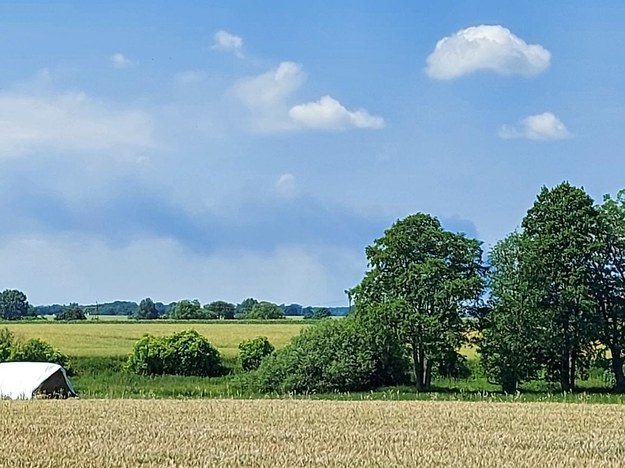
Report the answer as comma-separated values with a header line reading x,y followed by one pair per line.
x,y
23,380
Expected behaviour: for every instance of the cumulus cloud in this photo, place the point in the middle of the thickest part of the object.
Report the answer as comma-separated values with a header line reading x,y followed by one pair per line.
x,y
69,121
545,126
328,114
486,47
285,185
119,60
269,95
227,42
271,88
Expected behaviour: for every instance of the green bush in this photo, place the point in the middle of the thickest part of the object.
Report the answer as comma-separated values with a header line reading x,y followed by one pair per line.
x,y
7,340
332,356
71,312
36,350
252,352
183,353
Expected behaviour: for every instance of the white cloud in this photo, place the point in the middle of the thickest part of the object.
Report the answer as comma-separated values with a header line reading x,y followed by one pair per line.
x,y
228,42
545,126
119,60
271,88
69,121
285,185
486,47
328,114
267,96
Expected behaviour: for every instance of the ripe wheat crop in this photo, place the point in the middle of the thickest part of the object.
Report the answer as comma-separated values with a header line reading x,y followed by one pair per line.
x,y
292,433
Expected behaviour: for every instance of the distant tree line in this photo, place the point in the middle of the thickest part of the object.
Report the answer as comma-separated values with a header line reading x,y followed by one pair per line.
x,y
14,306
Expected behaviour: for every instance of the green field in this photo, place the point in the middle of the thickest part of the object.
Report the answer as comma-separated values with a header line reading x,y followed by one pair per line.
x,y
115,339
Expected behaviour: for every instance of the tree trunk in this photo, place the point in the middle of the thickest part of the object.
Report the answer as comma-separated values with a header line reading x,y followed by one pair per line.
x,y
509,383
565,370
617,368
421,369
573,369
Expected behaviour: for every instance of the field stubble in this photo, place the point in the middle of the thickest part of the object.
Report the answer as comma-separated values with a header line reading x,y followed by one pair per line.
x,y
194,433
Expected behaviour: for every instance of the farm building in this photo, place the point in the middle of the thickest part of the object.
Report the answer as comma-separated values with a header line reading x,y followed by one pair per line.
x,y
25,380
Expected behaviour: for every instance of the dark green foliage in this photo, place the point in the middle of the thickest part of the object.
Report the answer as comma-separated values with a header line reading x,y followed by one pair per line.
x,y
608,288
318,314
513,332
7,340
187,310
245,307
219,310
183,353
265,311
421,284
127,308
332,356
292,310
252,352
147,310
71,312
13,304
49,309
37,351
563,233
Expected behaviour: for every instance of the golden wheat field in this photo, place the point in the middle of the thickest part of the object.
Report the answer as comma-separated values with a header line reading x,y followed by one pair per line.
x,y
292,433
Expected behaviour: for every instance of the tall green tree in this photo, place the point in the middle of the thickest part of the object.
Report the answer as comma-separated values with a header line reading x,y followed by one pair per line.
x,y
245,307
512,334
265,311
563,231
609,283
221,309
147,310
187,310
421,282
13,304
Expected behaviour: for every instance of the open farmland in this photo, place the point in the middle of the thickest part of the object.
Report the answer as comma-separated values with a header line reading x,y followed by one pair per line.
x,y
288,433
114,339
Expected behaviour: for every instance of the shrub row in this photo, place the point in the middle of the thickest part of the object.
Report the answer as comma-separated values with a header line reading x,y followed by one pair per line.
x,y
34,350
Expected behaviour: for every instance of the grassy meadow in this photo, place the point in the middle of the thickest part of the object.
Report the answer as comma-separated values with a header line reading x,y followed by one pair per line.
x,y
98,352
291,433
117,338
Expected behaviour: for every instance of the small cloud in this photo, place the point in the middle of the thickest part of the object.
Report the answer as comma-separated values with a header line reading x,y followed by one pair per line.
x,y
227,42
329,114
545,126
119,60
285,185
486,47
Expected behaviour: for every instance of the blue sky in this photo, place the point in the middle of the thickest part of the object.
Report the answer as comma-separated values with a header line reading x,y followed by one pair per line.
x,y
221,150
